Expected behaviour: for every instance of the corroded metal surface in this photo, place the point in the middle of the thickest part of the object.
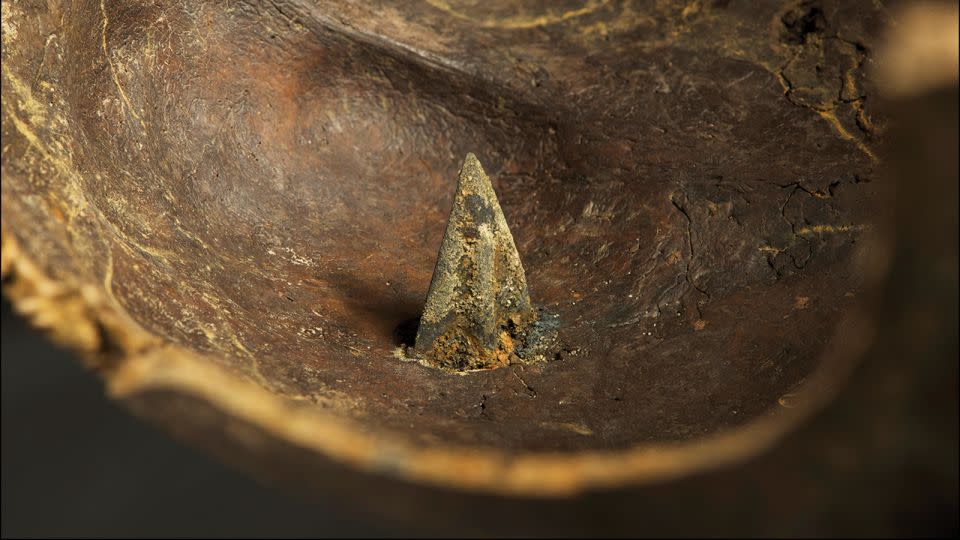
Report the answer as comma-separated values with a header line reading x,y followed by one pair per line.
x,y
478,307
231,208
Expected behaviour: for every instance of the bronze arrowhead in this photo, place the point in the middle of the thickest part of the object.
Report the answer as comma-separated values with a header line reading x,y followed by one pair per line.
x,y
478,303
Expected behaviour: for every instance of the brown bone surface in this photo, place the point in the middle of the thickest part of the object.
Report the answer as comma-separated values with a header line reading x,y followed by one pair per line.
x,y
235,208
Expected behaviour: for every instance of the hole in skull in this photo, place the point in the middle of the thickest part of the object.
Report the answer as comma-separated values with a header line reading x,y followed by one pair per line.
x,y
405,334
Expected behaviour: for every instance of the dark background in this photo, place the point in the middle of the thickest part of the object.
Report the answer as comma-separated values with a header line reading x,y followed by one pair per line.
x,y
77,464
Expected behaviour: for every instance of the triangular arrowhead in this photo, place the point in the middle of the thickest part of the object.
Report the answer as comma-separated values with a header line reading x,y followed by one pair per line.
x,y
478,295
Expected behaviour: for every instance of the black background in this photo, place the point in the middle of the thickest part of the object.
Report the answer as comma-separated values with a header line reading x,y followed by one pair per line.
x,y
77,464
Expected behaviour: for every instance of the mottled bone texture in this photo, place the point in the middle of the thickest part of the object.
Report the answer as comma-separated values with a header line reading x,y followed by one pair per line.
x,y
232,207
